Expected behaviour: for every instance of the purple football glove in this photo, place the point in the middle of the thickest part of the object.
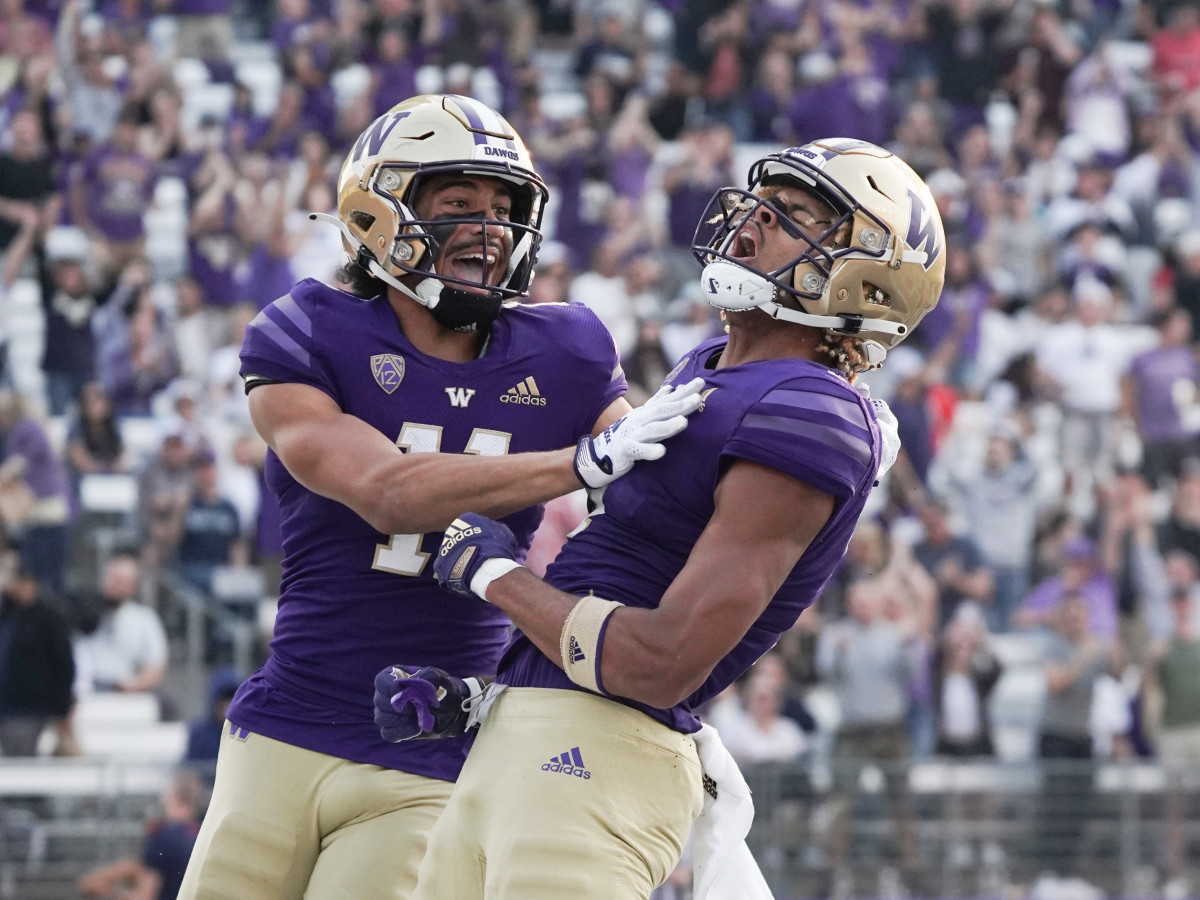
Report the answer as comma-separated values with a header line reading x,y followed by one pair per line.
x,y
470,541
415,703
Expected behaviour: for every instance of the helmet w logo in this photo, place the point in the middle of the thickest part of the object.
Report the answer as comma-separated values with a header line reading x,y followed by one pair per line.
x,y
371,140
922,230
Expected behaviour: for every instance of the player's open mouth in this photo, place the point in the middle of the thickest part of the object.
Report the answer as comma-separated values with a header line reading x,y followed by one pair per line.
x,y
744,245
474,267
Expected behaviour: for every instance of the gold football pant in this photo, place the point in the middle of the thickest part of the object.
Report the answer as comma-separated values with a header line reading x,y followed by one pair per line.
x,y
565,796
286,823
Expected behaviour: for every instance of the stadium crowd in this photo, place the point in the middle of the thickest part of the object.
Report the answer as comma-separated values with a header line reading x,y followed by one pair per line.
x,y
158,159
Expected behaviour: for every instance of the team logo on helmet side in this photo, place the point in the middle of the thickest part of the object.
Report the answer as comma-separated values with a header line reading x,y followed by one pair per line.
x,y
922,230
388,370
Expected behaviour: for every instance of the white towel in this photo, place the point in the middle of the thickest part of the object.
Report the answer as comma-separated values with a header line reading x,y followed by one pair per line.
x,y
722,867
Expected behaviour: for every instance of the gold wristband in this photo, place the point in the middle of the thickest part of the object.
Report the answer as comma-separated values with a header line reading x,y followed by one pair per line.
x,y
580,641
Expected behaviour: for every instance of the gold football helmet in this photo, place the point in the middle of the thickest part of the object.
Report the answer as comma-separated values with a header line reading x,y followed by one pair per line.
x,y
874,273
437,135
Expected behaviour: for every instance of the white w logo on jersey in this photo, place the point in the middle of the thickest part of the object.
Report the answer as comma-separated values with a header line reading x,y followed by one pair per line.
x,y
460,396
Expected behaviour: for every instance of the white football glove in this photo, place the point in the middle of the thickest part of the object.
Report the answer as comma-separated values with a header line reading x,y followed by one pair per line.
x,y
889,432
638,434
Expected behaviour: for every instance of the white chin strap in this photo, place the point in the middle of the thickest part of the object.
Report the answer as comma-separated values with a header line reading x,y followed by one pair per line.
x,y
429,290
735,288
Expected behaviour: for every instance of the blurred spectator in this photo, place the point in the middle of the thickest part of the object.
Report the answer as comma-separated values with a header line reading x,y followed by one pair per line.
x,y
705,164
210,534
263,533
94,442
1096,96
1000,504
955,562
37,670
1081,578
960,39
604,290
27,182
393,76
689,320
1181,528
128,650
93,97
157,874
204,732
1017,245
908,398
1176,51
12,259
865,659
1161,387
1083,359
34,480
965,673
770,96
164,492
1174,678
135,352
1074,657
562,516
197,329
68,302
205,28
727,46
758,730
213,250
610,47
111,192
1178,282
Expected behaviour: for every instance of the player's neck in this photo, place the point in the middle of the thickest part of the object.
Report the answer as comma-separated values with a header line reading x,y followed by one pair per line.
x,y
431,338
752,340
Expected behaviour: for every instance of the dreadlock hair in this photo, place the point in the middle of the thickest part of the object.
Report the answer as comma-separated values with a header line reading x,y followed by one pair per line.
x,y
360,282
846,353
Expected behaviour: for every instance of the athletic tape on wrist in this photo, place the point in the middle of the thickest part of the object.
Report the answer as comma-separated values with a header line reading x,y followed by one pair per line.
x,y
582,639
489,570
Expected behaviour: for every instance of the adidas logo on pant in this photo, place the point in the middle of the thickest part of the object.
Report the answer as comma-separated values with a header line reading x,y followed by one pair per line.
x,y
569,763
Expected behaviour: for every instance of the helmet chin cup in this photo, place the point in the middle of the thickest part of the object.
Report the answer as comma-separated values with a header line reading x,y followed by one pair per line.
x,y
464,311
467,310
875,353
728,286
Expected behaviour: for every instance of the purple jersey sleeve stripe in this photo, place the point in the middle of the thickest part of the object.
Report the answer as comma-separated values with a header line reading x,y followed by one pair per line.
x,y
837,439
288,306
276,335
832,411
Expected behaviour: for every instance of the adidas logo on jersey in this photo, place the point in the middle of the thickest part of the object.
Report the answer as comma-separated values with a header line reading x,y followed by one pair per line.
x,y
526,393
569,763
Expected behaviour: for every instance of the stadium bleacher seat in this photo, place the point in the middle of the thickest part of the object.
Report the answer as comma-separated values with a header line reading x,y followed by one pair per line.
x,y
189,74
350,82
115,493
263,78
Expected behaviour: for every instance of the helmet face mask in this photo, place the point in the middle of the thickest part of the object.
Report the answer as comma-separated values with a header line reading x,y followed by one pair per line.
x,y
396,159
875,271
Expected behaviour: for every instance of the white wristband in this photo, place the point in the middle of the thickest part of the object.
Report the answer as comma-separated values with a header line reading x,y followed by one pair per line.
x,y
579,643
489,570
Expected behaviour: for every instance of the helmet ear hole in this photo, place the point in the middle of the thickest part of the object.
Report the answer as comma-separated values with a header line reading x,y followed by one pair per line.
x,y
876,296
361,220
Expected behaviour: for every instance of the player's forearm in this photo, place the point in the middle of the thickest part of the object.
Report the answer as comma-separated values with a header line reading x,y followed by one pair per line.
x,y
425,491
343,458
646,657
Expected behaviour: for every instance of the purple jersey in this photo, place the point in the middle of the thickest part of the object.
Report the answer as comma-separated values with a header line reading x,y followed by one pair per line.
x,y
353,600
796,416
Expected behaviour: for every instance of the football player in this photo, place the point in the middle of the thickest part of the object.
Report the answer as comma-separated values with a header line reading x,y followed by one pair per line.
x,y
585,779
390,410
